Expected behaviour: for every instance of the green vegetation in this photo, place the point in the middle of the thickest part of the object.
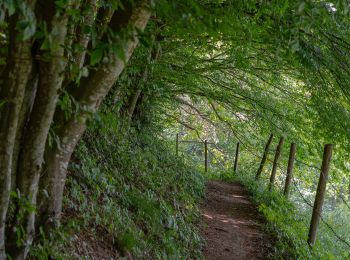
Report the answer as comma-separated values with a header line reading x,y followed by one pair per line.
x,y
141,194
289,222
93,93
133,190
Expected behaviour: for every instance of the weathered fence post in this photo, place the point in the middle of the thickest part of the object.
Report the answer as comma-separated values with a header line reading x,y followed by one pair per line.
x,y
235,167
177,144
263,160
206,156
320,194
275,162
290,169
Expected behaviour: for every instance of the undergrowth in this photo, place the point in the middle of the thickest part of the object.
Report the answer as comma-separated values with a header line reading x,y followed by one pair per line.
x,y
135,189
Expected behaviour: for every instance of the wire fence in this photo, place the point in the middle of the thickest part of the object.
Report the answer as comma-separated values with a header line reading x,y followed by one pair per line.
x,y
302,193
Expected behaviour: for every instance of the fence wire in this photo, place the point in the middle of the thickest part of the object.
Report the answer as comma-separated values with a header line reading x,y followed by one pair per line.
x,y
295,185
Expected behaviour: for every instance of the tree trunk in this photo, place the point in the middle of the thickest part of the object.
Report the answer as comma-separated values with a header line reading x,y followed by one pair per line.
x,y
31,161
83,39
24,114
263,160
136,98
15,76
95,87
132,104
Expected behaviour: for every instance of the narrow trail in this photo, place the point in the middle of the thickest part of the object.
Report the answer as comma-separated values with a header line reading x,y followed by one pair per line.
x,y
232,226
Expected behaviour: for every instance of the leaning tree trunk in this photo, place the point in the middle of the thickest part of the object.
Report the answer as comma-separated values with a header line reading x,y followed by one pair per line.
x,y
26,108
95,88
138,97
82,39
14,76
31,156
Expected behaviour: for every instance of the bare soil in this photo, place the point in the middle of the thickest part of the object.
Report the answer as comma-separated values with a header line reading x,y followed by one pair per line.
x,y
231,224
86,245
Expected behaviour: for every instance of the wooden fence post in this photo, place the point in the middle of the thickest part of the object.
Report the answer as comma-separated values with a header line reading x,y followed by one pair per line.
x,y
263,160
320,194
235,168
206,156
177,144
275,162
290,169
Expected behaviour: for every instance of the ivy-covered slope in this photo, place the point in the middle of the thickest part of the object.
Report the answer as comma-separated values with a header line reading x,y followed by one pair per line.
x,y
127,198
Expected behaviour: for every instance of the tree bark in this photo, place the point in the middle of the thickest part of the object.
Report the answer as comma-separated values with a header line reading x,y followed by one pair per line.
x,y
136,98
83,39
24,114
275,163
15,76
132,104
51,71
95,88
263,160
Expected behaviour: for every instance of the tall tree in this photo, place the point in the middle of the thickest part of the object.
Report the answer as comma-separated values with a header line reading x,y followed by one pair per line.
x,y
83,67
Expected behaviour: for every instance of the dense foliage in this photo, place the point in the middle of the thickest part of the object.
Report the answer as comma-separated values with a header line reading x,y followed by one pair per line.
x,y
129,193
289,222
219,70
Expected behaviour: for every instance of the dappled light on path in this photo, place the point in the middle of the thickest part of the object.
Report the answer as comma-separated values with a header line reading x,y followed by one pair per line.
x,y
232,227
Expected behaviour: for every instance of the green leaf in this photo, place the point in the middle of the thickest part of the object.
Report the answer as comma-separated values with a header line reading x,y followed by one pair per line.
x,y
119,51
128,241
96,56
46,44
28,29
2,103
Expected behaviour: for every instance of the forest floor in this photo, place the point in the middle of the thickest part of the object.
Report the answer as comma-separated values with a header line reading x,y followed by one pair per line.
x,y
231,224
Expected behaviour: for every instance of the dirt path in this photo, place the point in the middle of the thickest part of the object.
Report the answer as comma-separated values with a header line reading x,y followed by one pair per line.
x,y
232,226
